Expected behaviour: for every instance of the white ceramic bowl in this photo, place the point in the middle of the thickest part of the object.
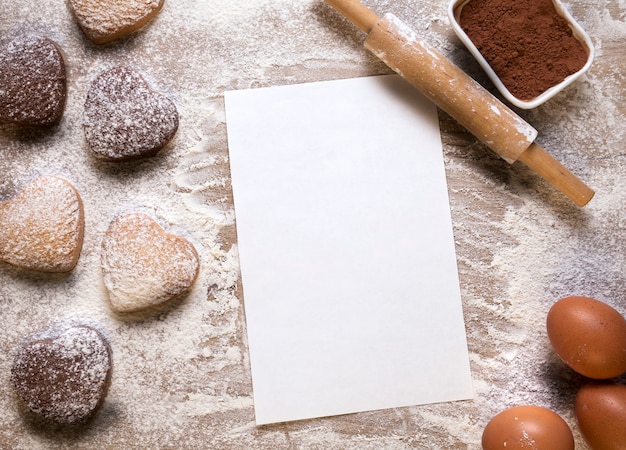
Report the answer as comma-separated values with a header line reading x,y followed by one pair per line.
x,y
454,11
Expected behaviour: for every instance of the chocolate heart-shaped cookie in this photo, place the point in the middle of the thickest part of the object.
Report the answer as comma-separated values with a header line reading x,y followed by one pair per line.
x,y
42,227
125,118
32,81
144,266
63,374
104,22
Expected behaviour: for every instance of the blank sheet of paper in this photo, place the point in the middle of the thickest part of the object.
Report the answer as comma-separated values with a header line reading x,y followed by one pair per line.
x,y
348,265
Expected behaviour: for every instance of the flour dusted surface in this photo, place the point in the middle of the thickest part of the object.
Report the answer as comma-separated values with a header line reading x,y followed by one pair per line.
x,y
182,378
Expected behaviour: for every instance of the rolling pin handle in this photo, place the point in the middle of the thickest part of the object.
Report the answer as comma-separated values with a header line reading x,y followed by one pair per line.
x,y
558,175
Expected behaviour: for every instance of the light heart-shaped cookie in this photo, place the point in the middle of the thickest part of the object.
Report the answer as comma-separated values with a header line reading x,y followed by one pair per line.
x,y
42,227
144,266
125,119
106,21
63,374
33,83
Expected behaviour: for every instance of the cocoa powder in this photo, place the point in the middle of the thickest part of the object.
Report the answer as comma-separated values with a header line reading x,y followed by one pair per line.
x,y
526,42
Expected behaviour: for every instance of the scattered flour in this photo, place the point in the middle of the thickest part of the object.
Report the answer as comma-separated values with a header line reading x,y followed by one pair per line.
x,y
181,377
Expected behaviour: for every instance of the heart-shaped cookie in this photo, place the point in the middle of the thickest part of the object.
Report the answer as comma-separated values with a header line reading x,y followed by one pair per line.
x,y
33,83
125,119
104,22
63,374
42,227
144,266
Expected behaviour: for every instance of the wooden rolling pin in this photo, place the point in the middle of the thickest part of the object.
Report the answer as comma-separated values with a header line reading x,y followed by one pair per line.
x,y
460,96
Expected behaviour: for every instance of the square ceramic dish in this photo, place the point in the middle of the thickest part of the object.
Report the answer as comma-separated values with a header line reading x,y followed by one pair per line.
x,y
454,13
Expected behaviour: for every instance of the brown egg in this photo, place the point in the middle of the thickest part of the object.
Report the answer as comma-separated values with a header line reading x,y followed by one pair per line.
x,y
601,412
526,427
589,335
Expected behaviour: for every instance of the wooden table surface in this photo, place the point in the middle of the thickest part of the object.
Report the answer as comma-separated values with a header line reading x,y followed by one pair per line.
x,y
181,376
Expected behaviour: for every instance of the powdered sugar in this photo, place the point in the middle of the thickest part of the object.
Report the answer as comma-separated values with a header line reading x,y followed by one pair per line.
x,y
63,374
32,81
143,266
42,227
125,119
103,22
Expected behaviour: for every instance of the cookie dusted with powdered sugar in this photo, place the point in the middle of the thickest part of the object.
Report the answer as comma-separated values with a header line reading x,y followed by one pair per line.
x,y
63,375
33,83
144,266
125,119
42,227
104,22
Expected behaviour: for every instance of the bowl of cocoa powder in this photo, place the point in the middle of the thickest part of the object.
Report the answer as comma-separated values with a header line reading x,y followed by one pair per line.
x,y
530,49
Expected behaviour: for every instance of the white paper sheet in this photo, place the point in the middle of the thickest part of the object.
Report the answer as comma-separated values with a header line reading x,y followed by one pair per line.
x,y
349,272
